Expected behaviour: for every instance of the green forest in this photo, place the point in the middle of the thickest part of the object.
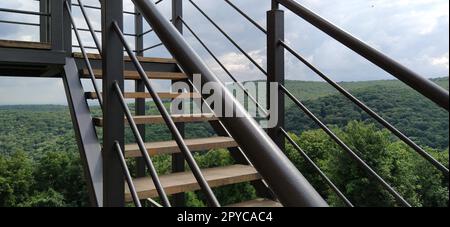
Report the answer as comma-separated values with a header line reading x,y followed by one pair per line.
x,y
40,164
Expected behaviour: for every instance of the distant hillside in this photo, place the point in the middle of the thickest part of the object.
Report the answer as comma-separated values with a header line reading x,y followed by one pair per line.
x,y
413,114
306,90
49,127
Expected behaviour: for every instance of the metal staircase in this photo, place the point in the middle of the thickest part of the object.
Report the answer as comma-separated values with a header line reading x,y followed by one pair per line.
x,y
258,154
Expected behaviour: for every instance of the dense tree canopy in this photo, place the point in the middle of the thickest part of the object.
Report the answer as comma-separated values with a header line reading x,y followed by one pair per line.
x,y
40,164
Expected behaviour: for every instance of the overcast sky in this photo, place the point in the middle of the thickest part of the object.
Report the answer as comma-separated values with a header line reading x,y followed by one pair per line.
x,y
414,32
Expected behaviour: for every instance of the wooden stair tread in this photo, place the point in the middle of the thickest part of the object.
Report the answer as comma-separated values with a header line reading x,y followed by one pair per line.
x,y
134,75
145,95
258,203
185,181
170,147
25,44
126,58
158,119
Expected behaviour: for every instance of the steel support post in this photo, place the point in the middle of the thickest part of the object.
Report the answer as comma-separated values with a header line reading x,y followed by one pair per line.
x,y
44,22
139,87
275,70
56,25
113,115
67,31
178,200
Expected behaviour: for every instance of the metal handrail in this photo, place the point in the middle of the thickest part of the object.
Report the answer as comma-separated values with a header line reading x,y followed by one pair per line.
x,y
99,8
353,155
355,100
283,177
151,168
317,168
127,175
211,198
19,23
90,27
424,86
224,68
229,38
85,56
6,10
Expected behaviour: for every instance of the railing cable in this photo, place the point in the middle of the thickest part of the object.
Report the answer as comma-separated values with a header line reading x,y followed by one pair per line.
x,y
432,91
317,168
229,38
369,111
246,17
127,175
225,69
151,168
355,100
353,155
90,27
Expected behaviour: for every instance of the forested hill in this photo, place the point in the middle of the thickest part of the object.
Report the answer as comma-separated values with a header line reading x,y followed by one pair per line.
x,y
40,165
307,90
413,114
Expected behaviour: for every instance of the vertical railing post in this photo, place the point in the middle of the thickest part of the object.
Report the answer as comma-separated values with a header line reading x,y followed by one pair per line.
x,y
56,25
113,115
139,86
67,31
275,69
44,22
178,200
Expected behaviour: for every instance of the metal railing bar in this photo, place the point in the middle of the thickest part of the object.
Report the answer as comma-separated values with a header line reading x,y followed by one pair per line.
x,y
90,27
211,198
246,17
145,33
229,38
85,56
99,8
148,31
224,68
24,12
127,175
85,47
90,47
382,121
353,155
321,173
99,31
369,111
20,23
153,202
432,91
149,48
151,168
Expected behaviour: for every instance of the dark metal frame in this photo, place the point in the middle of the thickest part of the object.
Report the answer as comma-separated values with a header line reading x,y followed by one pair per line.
x,y
275,72
178,163
113,115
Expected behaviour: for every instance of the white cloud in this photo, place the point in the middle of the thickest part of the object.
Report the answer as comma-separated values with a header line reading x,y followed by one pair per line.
x,y
441,61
